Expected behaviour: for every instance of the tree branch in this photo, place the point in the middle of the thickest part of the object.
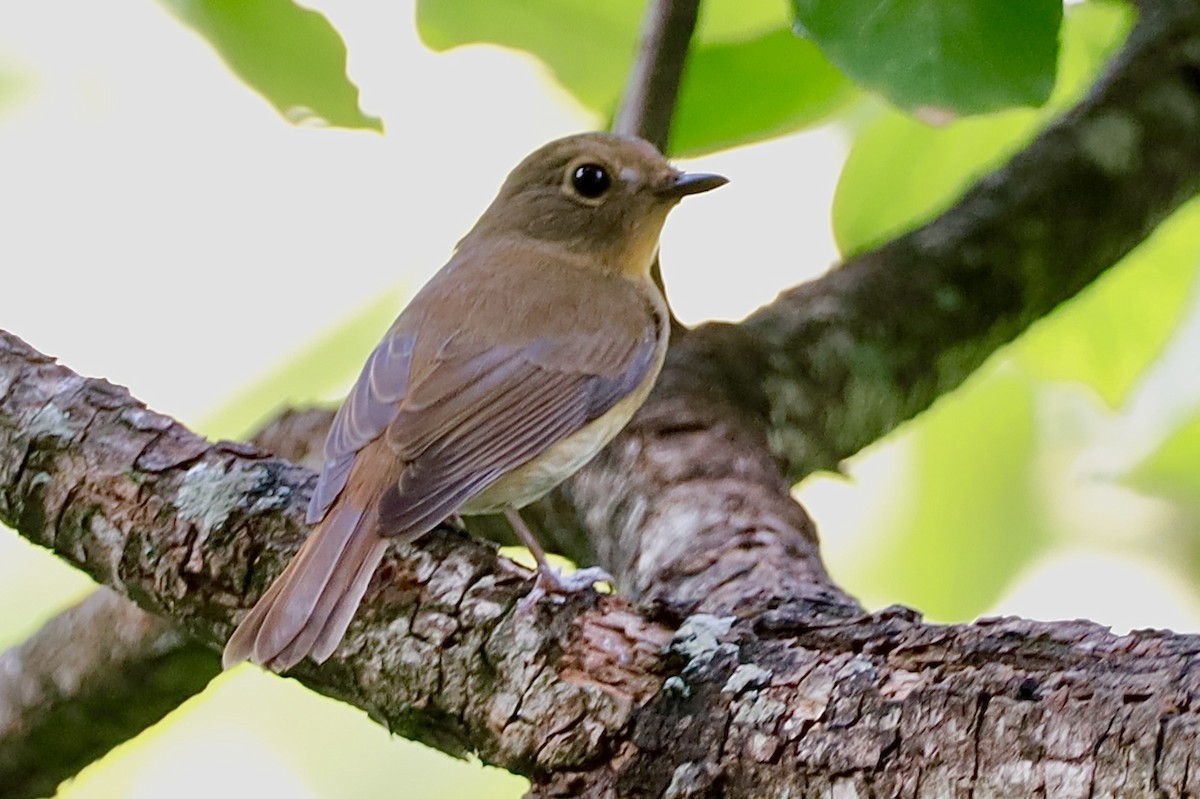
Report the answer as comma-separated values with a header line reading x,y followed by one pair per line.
x,y
648,102
589,698
652,88
194,531
92,677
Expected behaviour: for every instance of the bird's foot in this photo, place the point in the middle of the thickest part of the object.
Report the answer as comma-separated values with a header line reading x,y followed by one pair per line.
x,y
549,581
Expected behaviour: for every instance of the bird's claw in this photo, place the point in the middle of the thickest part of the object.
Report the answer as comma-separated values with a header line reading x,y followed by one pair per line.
x,y
551,582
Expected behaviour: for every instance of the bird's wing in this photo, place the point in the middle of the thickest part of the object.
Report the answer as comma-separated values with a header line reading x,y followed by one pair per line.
x,y
368,409
482,411
464,396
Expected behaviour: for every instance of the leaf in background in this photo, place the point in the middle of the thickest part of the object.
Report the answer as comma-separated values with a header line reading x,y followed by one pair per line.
x,y
324,366
1110,333
1150,443
971,519
1172,471
748,77
737,92
589,46
901,172
290,55
15,84
969,56
733,22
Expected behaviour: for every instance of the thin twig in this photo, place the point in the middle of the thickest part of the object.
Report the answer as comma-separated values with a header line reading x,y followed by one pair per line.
x,y
648,104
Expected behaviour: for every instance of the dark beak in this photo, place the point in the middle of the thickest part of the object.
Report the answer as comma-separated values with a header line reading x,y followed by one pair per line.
x,y
686,183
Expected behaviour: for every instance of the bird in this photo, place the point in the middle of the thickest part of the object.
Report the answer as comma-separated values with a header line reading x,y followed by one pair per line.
x,y
526,353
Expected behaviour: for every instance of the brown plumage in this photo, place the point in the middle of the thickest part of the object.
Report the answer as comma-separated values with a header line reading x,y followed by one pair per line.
x,y
509,370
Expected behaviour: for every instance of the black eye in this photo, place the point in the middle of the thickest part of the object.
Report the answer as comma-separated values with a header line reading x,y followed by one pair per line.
x,y
590,180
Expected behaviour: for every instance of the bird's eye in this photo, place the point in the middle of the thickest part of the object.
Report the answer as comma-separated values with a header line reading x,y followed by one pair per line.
x,y
590,180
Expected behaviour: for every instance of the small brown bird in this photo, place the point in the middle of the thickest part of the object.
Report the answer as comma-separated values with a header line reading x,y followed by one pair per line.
x,y
509,370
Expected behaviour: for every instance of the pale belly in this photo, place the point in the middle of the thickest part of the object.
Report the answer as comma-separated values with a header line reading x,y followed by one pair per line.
x,y
537,477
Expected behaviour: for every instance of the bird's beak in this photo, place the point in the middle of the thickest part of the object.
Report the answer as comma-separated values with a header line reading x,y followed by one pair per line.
x,y
686,183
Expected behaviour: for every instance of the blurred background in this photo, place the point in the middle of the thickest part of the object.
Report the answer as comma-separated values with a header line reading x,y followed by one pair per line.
x,y
228,241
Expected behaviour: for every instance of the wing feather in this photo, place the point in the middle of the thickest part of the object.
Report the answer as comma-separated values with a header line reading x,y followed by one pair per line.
x,y
525,407
466,402
367,411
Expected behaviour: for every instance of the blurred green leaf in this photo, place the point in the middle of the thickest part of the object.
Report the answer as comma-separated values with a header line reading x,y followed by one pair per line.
x,y
15,85
972,519
924,169
1173,471
968,56
901,172
748,77
737,21
289,54
589,46
1106,336
742,91
328,364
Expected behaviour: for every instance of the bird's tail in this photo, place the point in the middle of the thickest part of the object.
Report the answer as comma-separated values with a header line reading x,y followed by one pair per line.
x,y
307,609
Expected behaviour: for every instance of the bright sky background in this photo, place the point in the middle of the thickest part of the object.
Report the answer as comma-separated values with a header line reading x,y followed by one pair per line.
x,y
161,226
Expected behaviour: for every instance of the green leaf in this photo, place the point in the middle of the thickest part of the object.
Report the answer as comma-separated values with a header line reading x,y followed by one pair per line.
x,y
743,91
589,46
16,84
970,56
328,364
1173,471
290,55
971,517
747,78
901,172
735,22
1108,335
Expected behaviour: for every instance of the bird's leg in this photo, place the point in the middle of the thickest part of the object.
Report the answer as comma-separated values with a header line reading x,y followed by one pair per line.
x,y
549,580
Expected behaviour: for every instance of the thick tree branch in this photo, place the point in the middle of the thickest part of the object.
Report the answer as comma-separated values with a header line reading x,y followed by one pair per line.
x,y
192,531
589,698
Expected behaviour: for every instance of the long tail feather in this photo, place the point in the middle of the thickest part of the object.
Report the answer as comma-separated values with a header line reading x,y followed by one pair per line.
x,y
335,628
325,577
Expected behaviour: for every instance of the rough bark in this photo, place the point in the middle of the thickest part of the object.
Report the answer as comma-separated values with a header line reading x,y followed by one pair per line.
x,y
806,696
99,673
591,698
